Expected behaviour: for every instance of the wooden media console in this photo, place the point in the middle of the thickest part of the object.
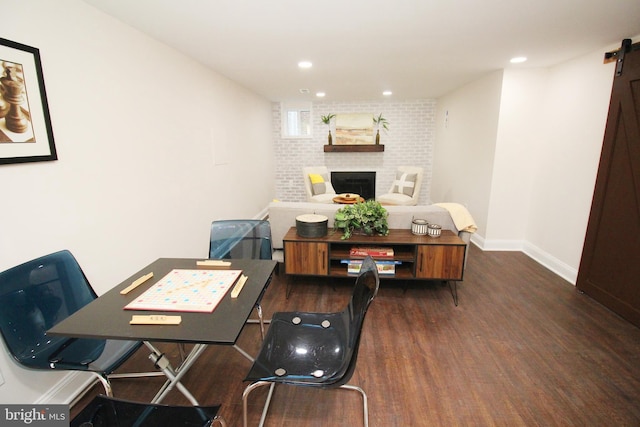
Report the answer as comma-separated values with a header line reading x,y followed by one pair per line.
x,y
419,257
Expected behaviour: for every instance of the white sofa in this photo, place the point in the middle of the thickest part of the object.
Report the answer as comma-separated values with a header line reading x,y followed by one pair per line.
x,y
282,216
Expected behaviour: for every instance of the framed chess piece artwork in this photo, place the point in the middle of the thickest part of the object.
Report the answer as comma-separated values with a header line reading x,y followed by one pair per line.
x,y
26,134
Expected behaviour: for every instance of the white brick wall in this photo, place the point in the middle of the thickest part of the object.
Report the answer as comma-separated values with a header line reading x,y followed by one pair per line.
x,y
409,141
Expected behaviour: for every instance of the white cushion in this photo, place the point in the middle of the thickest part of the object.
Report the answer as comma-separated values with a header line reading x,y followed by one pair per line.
x,y
396,199
323,198
404,183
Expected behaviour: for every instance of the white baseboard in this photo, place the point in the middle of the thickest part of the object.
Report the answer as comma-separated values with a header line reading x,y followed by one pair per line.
x,y
547,260
561,268
66,390
263,214
496,245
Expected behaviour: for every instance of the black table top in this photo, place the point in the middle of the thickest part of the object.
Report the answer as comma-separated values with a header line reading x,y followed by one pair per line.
x,y
105,317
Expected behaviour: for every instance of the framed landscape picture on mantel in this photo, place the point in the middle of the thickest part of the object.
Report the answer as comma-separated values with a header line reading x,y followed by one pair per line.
x,y
26,134
354,129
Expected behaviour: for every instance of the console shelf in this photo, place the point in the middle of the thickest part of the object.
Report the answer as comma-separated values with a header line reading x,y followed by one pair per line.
x,y
421,257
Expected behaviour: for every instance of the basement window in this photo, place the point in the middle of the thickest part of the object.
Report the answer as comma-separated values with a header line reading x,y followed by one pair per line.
x,y
296,119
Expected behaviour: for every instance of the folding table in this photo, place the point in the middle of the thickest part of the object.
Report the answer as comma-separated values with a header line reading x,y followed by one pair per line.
x,y
106,318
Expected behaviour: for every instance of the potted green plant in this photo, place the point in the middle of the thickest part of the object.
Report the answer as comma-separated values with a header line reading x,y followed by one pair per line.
x,y
380,121
367,217
327,121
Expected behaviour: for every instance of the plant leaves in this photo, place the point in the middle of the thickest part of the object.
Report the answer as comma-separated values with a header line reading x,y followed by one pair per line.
x,y
370,216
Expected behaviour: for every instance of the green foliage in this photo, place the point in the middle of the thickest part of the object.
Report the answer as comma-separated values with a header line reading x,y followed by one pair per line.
x,y
369,216
327,119
381,121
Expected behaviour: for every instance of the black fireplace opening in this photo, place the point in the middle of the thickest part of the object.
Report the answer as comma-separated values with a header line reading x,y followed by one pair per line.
x,y
362,183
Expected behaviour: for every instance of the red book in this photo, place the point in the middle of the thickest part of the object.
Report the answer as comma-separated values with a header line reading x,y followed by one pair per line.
x,y
375,252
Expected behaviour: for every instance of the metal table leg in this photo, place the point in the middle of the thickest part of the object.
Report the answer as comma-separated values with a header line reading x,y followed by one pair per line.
x,y
174,375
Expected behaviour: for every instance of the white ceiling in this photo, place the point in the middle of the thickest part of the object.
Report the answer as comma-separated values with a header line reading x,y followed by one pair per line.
x,y
415,48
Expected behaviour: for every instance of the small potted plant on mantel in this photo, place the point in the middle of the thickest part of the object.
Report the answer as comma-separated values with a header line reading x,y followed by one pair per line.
x,y
368,218
327,121
380,121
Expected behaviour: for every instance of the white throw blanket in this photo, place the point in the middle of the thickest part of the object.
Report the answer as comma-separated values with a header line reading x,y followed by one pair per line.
x,y
460,216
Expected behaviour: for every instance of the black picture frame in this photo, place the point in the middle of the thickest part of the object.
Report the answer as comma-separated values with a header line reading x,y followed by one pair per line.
x,y
26,134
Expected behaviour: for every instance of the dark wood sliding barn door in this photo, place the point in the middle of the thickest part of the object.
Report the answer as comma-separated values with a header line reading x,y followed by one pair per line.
x,y
610,265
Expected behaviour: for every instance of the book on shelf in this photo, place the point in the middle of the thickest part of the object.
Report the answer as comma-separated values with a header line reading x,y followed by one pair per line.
x,y
383,266
375,252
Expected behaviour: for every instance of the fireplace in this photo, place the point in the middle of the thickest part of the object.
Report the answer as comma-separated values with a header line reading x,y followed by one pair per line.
x,y
362,183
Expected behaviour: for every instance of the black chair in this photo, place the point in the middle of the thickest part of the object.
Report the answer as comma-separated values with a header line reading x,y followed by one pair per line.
x,y
314,349
36,296
242,238
105,411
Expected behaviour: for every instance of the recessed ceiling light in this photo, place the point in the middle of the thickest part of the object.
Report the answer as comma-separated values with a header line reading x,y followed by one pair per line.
x,y
387,93
320,94
305,64
518,59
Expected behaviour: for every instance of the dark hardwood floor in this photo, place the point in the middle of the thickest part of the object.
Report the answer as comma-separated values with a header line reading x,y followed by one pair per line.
x,y
523,348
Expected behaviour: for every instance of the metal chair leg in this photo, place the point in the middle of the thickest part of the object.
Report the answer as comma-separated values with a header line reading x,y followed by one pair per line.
x,y
260,320
245,397
365,405
220,420
105,383
106,379
258,384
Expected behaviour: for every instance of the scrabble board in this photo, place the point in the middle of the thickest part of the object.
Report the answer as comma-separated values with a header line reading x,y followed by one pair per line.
x,y
187,290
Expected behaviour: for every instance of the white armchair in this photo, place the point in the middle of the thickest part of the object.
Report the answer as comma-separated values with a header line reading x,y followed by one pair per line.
x,y
405,189
320,190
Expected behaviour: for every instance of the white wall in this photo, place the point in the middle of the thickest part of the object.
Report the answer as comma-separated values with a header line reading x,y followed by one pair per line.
x,y
409,141
517,152
152,147
574,113
530,186
466,132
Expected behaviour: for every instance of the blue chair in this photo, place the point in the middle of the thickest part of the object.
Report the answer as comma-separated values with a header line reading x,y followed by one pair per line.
x,y
314,349
242,238
105,411
36,296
